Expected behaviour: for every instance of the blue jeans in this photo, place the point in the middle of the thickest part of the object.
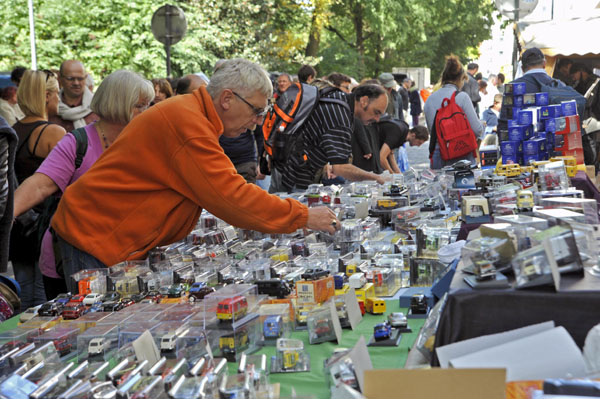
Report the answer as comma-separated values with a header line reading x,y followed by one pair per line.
x,y
30,280
75,260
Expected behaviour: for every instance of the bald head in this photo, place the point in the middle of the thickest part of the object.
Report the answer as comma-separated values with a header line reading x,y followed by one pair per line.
x,y
189,83
72,77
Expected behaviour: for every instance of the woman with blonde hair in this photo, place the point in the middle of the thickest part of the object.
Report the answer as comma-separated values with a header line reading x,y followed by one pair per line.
x,y
37,96
453,79
121,96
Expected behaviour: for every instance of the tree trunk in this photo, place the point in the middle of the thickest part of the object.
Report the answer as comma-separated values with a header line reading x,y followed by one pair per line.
x,y
314,37
360,38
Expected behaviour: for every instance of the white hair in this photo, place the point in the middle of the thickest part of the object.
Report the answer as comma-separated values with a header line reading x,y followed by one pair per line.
x,y
242,76
118,93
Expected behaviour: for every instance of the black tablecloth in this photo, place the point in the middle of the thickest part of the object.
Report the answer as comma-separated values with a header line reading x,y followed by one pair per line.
x,y
581,181
472,313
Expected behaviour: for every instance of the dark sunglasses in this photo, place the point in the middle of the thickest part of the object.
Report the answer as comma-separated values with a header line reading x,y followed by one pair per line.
x,y
48,74
259,112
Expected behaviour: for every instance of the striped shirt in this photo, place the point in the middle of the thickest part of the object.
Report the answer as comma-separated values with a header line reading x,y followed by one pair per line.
x,y
326,136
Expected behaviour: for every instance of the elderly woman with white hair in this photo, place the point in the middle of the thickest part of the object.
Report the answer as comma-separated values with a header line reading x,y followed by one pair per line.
x,y
120,97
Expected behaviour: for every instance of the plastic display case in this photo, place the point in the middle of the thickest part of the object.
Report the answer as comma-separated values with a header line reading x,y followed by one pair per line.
x,y
532,268
275,323
589,207
129,332
553,176
232,304
98,343
237,338
320,326
290,357
64,339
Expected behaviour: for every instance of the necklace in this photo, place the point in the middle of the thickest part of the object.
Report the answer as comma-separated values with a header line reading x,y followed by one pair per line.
x,y
103,135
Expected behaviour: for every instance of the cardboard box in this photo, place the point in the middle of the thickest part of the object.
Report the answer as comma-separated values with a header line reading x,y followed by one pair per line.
x,y
314,291
520,132
435,384
568,141
515,88
528,116
534,146
287,301
569,108
541,99
550,111
518,101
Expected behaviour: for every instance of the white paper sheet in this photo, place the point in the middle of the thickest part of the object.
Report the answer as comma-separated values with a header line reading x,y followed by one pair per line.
x,y
448,352
549,354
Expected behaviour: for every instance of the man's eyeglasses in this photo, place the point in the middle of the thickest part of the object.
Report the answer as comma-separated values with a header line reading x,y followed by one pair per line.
x,y
259,112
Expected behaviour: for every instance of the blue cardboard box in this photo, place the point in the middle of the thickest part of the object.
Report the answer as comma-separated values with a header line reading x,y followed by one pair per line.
x,y
518,101
534,146
541,99
550,125
520,132
509,148
529,99
528,116
512,123
569,107
551,111
540,125
515,88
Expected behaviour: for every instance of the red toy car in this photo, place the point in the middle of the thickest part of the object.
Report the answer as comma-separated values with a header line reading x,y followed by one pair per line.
x,y
62,346
76,298
73,310
154,296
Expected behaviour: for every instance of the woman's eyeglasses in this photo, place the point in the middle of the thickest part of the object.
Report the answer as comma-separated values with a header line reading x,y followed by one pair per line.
x,y
48,74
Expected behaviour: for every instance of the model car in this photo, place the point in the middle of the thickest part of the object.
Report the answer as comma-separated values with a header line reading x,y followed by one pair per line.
x,y
63,298
176,291
200,294
164,291
77,298
110,296
274,287
96,307
10,345
97,346
418,304
397,320
314,274
154,296
29,314
91,299
139,297
73,310
382,331
112,306
62,346
127,301
322,327
50,309
273,327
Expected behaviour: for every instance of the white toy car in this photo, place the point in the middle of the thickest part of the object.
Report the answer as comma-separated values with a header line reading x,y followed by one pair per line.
x,y
397,320
91,299
97,346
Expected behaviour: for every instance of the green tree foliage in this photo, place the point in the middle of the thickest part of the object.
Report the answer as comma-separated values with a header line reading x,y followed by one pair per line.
x,y
358,37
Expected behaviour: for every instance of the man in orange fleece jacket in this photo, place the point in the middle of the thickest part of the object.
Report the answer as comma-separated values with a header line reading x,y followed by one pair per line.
x,y
149,188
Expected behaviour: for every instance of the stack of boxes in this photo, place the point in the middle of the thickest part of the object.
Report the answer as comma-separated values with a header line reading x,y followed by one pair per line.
x,y
537,130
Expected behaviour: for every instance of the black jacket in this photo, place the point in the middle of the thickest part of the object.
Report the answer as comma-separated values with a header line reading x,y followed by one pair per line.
x,y
8,184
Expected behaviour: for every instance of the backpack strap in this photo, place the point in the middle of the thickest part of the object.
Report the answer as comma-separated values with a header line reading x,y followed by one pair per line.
x,y
35,126
82,144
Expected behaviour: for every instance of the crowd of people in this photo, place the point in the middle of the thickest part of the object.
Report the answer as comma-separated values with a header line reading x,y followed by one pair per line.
x,y
105,174
142,158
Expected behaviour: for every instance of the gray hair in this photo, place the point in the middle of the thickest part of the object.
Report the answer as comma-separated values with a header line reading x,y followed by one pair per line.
x,y
242,76
118,93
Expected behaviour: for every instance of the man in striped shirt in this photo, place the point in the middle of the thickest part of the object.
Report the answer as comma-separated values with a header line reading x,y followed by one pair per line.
x,y
326,138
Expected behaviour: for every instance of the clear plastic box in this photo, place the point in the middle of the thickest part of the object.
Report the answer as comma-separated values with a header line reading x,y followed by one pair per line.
x,y
275,323
232,303
64,339
320,326
290,357
532,268
553,176
98,343
237,338
589,207
129,332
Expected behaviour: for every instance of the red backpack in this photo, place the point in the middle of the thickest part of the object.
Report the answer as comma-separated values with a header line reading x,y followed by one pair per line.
x,y
453,131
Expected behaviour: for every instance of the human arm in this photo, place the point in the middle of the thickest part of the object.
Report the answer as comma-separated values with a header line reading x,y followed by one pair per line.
x,y
51,136
353,173
393,163
384,154
35,189
360,135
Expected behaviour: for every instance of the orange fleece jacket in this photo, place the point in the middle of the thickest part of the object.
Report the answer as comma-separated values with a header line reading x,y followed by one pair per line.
x,y
148,189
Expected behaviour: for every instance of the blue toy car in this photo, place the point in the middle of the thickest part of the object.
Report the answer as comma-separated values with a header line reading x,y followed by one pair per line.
x,y
273,327
196,287
382,331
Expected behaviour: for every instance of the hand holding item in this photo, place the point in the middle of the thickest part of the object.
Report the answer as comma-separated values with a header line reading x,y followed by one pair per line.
x,y
323,219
